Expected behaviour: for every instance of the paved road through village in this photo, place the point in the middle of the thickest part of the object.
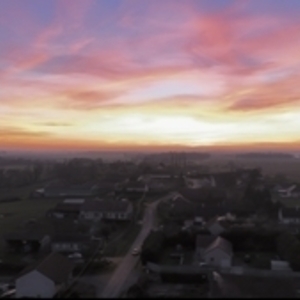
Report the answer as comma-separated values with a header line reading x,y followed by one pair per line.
x,y
117,281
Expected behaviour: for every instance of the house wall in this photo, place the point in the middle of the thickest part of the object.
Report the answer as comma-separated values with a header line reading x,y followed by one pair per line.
x,y
96,216
45,241
286,220
91,215
65,247
129,211
290,221
58,215
35,285
217,257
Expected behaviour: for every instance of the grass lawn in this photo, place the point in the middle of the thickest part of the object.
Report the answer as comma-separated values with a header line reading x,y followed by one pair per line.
x,y
22,192
15,214
121,246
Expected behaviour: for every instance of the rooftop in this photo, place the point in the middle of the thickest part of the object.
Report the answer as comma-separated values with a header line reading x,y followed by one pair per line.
x,y
106,205
55,266
221,243
203,241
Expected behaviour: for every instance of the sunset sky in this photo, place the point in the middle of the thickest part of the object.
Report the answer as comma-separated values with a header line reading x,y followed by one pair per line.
x,y
137,74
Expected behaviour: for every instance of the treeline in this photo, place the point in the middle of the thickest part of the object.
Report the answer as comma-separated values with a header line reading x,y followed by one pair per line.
x,y
252,240
265,155
171,236
170,156
259,200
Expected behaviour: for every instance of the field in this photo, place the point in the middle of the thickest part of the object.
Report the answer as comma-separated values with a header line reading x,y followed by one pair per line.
x,y
21,192
14,214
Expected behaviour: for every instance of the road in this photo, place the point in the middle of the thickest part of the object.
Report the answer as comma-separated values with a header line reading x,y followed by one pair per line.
x,y
116,284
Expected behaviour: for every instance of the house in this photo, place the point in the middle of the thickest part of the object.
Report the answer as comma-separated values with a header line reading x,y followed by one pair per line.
x,y
253,286
160,185
202,242
45,278
109,209
288,191
179,208
68,209
66,191
288,215
199,181
27,241
136,187
280,265
218,253
69,243
207,211
295,193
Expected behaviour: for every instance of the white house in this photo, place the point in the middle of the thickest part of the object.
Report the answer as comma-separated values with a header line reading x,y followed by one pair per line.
x,y
67,243
110,209
288,215
291,191
218,253
46,278
280,265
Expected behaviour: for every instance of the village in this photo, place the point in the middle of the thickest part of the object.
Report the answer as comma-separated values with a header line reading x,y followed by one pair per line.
x,y
151,228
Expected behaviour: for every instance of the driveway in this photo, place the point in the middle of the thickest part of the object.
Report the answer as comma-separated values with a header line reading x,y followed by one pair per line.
x,y
117,282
